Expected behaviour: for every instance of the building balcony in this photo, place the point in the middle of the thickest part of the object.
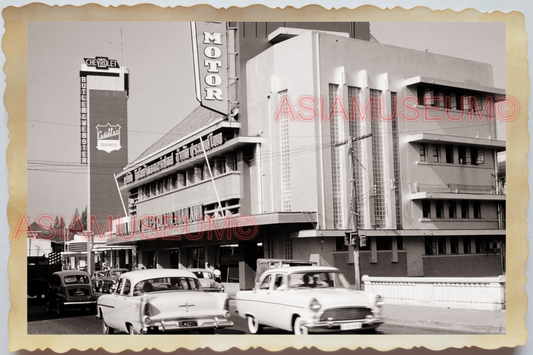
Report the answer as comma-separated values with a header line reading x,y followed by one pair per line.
x,y
456,192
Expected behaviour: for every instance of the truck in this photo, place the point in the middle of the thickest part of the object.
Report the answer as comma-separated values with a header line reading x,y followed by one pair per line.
x,y
39,271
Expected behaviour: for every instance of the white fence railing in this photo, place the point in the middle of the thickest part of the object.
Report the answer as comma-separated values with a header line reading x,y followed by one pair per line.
x,y
482,293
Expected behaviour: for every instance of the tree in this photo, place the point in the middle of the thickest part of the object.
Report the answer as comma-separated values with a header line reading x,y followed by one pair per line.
x,y
84,218
76,224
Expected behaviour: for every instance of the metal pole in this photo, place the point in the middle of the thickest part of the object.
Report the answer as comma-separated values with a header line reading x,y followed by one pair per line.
x,y
357,268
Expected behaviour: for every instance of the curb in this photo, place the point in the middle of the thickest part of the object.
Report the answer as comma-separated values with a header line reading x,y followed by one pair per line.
x,y
466,327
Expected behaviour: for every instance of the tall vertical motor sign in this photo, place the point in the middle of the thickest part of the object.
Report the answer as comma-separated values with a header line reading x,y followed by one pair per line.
x,y
210,56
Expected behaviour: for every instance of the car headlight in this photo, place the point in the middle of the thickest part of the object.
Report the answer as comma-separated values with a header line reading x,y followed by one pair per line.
x,y
314,305
379,301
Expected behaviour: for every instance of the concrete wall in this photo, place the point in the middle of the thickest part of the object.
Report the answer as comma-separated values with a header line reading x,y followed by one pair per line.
x,y
478,265
465,293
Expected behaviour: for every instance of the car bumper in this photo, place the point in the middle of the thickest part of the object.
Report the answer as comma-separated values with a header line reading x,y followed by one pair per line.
x,y
78,303
175,325
345,325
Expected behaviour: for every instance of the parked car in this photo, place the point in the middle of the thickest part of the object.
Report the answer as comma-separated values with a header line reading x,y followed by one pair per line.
x,y
95,279
70,289
109,280
207,279
304,299
162,300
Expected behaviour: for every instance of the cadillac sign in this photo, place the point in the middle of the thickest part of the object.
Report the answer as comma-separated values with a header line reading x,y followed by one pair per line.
x,y
108,137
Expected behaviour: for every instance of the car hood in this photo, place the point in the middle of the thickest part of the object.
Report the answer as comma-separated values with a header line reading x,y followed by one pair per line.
x,y
338,297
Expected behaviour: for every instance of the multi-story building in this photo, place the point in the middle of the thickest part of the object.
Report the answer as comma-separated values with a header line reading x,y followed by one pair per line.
x,y
329,127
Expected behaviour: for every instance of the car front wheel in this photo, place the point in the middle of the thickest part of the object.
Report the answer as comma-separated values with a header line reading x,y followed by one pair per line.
x,y
299,328
254,326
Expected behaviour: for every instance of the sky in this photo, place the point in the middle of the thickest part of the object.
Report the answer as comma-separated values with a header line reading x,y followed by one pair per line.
x,y
159,58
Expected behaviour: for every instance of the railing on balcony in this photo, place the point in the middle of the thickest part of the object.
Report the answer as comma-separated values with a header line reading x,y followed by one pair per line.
x,y
456,189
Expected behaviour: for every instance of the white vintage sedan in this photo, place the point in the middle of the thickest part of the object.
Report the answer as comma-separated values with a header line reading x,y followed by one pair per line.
x,y
306,299
162,300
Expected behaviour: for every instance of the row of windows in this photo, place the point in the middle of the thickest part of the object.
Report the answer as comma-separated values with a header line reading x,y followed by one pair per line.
x,y
451,209
437,153
460,245
450,100
196,174
382,243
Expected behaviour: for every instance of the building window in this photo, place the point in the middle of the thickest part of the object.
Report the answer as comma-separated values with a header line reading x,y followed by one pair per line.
x,y
480,244
340,245
439,209
452,209
384,243
426,208
466,244
423,147
449,154
477,209
462,154
286,204
436,153
477,155
336,187
377,161
231,163
454,245
355,131
428,245
441,245
399,242
288,246
464,210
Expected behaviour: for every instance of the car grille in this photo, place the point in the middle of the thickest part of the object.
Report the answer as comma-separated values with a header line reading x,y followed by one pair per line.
x,y
79,291
345,313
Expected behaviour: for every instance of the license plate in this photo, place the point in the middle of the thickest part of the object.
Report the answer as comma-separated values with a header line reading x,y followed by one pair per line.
x,y
351,326
189,323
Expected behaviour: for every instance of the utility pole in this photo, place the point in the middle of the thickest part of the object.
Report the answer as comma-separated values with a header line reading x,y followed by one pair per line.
x,y
354,234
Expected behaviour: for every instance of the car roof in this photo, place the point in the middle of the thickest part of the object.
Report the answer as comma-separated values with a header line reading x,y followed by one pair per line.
x,y
118,268
139,275
198,269
71,272
298,269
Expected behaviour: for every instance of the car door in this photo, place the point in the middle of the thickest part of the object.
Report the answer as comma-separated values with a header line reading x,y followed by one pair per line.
x,y
128,305
262,308
113,316
277,300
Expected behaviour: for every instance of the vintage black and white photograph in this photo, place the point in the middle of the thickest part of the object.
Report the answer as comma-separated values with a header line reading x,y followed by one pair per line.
x,y
299,179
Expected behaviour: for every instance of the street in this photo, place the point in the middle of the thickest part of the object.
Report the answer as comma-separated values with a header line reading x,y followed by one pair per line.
x,y
80,322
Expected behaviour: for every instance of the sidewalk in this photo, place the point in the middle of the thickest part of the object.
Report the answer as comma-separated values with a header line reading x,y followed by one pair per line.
x,y
471,321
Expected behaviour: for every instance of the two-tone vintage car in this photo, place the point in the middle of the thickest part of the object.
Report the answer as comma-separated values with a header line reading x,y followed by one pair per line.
x,y
70,289
162,300
207,279
304,299
109,280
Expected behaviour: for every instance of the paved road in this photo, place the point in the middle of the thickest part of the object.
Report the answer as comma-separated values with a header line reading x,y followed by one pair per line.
x,y
80,322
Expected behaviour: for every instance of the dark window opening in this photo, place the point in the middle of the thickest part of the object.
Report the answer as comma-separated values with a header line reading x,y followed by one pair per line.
x,y
452,210
454,245
462,154
466,245
464,210
477,209
442,245
426,209
439,209
449,154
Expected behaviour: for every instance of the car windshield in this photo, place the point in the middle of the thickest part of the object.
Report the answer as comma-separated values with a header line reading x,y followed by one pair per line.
x,y
317,280
167,284
203,274
75,279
